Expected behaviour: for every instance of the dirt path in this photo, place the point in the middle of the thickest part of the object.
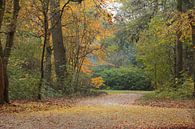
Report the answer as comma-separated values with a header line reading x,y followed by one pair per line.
x,y
113,111
111,99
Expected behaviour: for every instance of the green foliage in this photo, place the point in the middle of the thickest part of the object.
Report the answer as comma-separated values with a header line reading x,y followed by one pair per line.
x,y
23,69
155,51
120,51
125,78
49,91
23,85
182,92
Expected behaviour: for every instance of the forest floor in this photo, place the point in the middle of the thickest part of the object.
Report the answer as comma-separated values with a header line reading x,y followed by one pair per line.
x,y
112,111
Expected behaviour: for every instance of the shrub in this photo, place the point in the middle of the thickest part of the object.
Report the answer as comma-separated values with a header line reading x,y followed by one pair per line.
x,y
23,69
97,82
125,78
183,91
23,84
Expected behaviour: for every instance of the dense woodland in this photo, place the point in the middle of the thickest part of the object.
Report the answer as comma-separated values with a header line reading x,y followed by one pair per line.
x,y
55,48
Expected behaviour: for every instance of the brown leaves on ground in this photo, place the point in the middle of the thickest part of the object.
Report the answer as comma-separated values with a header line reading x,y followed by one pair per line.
x,y
168,103
18,106
104,112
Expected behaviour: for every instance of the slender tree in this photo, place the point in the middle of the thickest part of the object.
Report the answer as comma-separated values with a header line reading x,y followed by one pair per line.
x,y
45,9
179,46
193,40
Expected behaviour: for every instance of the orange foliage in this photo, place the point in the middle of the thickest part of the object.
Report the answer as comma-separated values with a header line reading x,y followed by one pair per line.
x,y
85,25
97,82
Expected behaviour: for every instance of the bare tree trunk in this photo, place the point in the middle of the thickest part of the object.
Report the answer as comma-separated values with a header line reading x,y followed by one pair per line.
x,y
76,63
57,39
175,64
48,64
193,42
179,46
179,56
45,8
2,84
9,44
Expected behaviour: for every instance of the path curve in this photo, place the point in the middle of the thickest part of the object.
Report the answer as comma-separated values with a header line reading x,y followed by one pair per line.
x,y
99,113
111,99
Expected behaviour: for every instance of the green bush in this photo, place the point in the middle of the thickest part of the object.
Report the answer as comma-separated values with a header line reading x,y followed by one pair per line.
x,y
183,91
23,69
125,78
23,85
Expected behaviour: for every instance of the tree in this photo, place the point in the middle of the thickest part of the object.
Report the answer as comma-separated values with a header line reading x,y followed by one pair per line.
x,y
179,46
155,51
5,52
193,42
58,45
82,37
192,18
45,10
2,84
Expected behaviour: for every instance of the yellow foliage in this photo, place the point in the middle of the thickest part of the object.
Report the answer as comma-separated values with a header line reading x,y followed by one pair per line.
x,y
87,64
84,27
97,82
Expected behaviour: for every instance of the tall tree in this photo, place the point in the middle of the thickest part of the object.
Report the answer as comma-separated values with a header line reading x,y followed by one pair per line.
x,y
5,53
9,43
192,17
2,85
47,72
179,45
57,39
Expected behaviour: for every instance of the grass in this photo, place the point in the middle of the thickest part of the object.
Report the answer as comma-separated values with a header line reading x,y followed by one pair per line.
x,y
168,95
126,91
181,93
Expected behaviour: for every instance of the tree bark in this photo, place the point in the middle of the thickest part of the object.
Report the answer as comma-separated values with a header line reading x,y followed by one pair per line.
x,y
57,39
193,42
2,84
9,44
179,46
45,8
48,64
179,56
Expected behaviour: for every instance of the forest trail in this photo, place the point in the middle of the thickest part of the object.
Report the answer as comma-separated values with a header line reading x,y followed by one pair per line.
x,y
111,100
113,111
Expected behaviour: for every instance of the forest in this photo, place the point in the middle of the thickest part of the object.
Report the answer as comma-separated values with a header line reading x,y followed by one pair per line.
x,y
103,64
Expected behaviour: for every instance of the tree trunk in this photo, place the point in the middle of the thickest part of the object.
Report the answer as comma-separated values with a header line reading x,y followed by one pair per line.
x,y
179,46
9,44
48,62
193,42
45,7
57,39
2,84
179,56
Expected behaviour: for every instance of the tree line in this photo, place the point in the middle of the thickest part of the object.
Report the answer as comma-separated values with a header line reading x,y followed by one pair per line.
x,y
66,31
